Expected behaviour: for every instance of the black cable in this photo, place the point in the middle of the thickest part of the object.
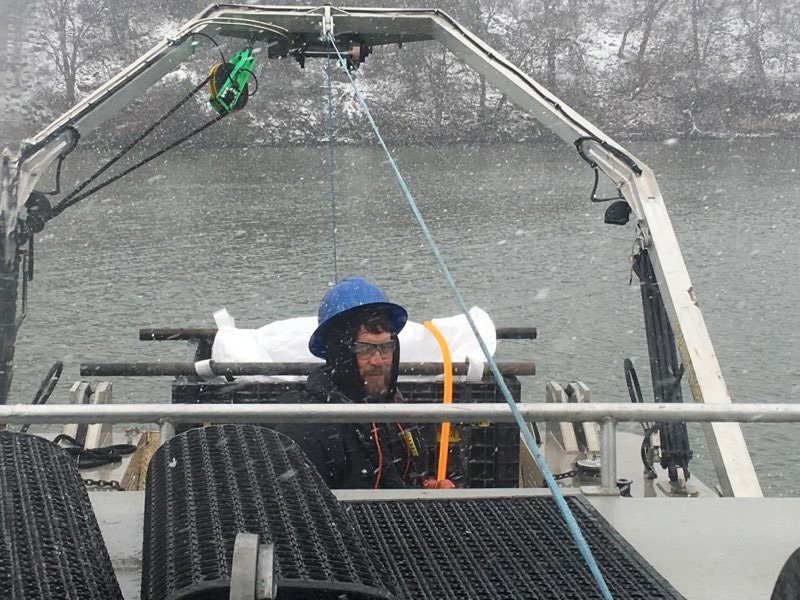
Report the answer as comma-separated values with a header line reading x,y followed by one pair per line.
x,y
596,168
30,150
58,209
645,449
593,197
61,158
70,199
34,148
94,457
48,383
665,369
46,388
635,393
606,146
632,381
63,437
213,41
253,75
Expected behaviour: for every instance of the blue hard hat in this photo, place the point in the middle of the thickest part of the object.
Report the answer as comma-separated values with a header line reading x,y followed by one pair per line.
x,y
349,294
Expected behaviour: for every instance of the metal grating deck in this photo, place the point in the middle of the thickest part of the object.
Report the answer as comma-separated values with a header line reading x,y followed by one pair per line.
x,y
50,543
509,548
206,485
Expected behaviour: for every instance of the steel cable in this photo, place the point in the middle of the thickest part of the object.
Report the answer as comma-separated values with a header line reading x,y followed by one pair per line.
x,y
572,524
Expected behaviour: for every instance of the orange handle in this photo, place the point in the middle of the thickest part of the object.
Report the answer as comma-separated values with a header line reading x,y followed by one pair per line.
x,y
447,364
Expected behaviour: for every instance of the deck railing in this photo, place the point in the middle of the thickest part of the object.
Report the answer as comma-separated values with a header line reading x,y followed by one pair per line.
x,y
606,414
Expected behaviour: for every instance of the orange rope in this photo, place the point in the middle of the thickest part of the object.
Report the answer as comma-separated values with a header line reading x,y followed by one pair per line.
x,y
447,366
380,455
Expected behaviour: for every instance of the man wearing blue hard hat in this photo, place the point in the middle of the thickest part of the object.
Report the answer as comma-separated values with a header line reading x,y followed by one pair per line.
x,y
357,337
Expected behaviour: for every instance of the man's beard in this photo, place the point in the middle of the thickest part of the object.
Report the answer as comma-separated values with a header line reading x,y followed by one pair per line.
x,y
377,389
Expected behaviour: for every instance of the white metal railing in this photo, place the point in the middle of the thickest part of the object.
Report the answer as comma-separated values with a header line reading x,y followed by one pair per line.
x,y
423,413
607,414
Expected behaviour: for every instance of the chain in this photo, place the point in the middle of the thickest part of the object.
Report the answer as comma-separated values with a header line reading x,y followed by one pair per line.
x,y
566,475
103,484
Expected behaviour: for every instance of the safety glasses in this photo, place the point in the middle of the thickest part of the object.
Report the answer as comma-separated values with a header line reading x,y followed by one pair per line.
x,y
367,349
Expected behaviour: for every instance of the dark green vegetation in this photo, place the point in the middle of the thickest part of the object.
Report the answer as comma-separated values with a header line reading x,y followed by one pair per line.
x,y
647,68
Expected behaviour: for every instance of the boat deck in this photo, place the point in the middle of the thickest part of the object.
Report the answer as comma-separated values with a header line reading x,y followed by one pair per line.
x,y
705,547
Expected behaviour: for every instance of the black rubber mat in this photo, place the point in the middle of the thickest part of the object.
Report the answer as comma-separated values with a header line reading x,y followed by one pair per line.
x,y
206,485
500,548
50,543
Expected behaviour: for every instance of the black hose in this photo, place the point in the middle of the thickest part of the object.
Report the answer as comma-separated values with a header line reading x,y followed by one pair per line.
x,y
632,381
536,434
95,457
635,392
46,388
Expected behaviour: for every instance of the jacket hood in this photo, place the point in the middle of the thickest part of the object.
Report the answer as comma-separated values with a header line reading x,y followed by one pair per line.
x,y
340,375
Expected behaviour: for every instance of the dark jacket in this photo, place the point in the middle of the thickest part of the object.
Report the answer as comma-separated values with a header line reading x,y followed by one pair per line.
x,y
346,454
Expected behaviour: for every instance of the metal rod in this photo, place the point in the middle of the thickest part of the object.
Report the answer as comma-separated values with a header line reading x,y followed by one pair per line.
x,y
160,334
175,369
167,432
516,333
388,413
608,453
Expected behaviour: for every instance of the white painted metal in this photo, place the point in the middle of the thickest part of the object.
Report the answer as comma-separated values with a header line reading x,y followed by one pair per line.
x,y
388,413
608,454
729,451
266,584
98,435
590,437
243,567
725,441
166,432
8,205
79,394
562,433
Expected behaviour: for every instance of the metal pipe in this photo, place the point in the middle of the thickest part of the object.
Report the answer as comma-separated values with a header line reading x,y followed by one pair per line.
x,y
225,369
608,454
160,334
388,413
167,432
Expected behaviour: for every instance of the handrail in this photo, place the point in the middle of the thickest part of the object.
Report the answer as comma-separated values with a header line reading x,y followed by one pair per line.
x,y
237,369
171,334
387,413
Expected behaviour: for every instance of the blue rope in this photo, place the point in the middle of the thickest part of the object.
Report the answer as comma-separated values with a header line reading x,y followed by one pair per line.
x,y
572,524
331,163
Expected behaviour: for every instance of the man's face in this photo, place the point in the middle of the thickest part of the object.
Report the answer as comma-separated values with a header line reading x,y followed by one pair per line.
x,y
374,366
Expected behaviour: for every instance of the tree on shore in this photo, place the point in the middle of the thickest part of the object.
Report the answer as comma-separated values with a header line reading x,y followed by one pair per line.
x,y
639,67
70,38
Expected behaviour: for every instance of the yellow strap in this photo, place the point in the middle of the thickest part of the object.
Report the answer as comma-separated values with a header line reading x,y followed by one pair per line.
x,y
447,365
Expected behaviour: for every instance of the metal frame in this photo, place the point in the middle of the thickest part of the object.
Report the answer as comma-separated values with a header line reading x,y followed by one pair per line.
x,y
598,412
607,414
635,180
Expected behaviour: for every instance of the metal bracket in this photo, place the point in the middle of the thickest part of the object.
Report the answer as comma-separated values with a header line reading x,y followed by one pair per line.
x,y
253,569
562,432
166,432
327,23
99,435
79,393
567,443
8,207
586,432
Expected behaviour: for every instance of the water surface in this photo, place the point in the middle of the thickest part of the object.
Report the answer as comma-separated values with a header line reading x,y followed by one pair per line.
x,y
250,230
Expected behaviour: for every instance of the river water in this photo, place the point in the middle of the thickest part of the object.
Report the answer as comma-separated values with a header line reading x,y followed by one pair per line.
x,y
250,230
